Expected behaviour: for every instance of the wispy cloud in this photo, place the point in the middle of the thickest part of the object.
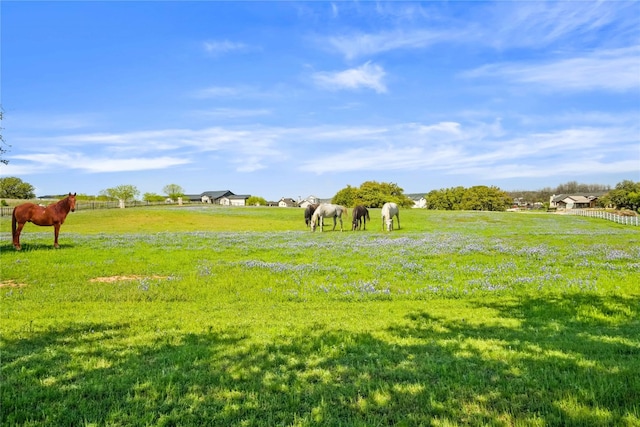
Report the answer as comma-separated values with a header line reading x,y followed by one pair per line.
x,y
495,25
488,150
37,163
234,92
232,113
612,70
368,75
217,47
363,44
481,149
539,24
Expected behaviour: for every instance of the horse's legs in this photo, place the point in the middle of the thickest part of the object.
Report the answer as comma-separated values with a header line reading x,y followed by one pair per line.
x,y
335,223
398,216
341,229
56,231
16,236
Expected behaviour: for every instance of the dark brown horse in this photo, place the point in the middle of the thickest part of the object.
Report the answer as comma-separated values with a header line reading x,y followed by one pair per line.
x,y
54,214
308,213
360,217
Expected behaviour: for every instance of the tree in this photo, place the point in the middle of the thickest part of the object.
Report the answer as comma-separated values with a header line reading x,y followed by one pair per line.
x,y
173,191
152,197
372,194
346,197
124,193
483,198
14,188
479,197
2,142
626,195
256,201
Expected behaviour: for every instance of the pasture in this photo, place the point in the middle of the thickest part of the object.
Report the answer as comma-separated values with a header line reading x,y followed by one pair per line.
x,y
202,315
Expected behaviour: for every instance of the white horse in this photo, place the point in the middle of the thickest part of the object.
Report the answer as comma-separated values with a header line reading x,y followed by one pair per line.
x,y
389,210
329,211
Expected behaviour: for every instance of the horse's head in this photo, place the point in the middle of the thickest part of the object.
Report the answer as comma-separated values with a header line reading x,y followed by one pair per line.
x,y
72,201
313,224
389,222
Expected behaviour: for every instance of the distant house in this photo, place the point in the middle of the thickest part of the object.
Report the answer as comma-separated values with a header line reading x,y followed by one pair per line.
x,y
309,200
419,201
234,200
574,201
222,197
287,203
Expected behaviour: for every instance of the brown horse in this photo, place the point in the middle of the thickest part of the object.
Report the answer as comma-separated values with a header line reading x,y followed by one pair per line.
x,y
360,217
54,214
308,213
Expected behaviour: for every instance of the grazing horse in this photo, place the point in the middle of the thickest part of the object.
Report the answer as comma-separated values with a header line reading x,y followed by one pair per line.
x,y
327,210
54,214
360,217
308,213
389,210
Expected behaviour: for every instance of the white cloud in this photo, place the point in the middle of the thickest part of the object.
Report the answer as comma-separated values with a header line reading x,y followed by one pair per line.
x,y
359,45
232,113
484,149
538,24
367,75
612,70
45,162
216,47
497,25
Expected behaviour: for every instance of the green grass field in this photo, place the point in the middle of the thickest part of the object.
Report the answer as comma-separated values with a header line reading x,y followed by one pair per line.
x,y
201,315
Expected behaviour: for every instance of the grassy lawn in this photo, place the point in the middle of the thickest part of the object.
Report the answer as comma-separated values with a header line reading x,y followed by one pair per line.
x,y
203,315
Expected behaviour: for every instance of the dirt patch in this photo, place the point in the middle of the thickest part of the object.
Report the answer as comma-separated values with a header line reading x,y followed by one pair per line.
x,y
12,284
113,279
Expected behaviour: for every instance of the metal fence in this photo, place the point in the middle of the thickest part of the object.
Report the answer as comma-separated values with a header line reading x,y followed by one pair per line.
x,y
83,205
620,219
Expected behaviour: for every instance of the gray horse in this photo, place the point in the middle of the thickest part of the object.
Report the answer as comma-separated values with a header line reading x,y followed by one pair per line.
x,y
327,210
389,210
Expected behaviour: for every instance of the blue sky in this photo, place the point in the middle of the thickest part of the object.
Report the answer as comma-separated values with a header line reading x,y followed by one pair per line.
x,y
290,99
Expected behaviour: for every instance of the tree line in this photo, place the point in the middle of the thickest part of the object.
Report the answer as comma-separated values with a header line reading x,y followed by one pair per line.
x,y
373,194
476,198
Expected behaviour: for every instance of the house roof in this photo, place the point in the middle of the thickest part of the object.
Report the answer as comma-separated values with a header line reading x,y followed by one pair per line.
x,y
589,196
580,199
415,196
288,201
215,195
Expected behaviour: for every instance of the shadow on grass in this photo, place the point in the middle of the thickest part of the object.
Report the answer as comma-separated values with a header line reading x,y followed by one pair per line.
x,y
567,362
32,247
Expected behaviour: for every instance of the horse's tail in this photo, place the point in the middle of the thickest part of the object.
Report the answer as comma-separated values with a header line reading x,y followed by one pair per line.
x,y
13,223
366,211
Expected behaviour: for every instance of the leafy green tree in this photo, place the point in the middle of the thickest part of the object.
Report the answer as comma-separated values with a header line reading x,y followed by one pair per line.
x,y
479,197
256,201
626,195
124,193
173,191
485,198
372,194
346,197
12,187
436,200
153,197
